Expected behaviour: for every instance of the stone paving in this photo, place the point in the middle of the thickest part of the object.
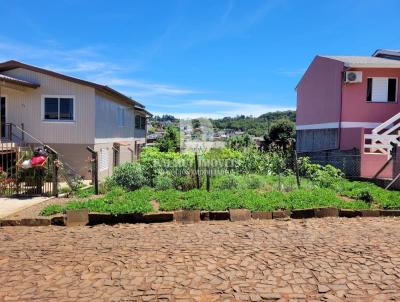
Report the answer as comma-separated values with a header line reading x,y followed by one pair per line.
x,y
330,259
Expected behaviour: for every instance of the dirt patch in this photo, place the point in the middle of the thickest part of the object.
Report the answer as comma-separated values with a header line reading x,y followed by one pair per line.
x,y
155,205
345,198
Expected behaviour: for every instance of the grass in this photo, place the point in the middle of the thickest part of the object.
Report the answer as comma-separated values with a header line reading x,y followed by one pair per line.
x,y
253,192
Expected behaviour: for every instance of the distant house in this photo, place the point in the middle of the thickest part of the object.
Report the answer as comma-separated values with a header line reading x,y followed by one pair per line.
x,y
350,105
69,114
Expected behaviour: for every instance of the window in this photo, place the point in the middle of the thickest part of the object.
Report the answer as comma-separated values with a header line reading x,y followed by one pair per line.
x,y
382,90
121,117
58,108
137,121
103,161
140,122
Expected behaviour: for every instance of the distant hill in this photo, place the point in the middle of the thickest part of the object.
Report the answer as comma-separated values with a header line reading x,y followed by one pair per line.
x,y
257,126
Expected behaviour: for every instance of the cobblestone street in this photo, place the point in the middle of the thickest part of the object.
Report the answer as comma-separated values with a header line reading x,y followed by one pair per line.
x,y
331,259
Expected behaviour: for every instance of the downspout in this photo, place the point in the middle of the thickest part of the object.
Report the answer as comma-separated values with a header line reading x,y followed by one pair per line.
x,y
340,108
342,84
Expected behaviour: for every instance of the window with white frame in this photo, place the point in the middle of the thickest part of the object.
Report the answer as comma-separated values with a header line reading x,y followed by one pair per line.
x,y
120,117
58,108
103,160
382,90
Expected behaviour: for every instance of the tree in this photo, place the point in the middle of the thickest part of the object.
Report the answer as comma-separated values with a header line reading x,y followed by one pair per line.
x,y
240,142
281,134
170,141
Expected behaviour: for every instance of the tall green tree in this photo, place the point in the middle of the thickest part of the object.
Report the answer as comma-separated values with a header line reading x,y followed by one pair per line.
x,y
170,141
281,135
240,142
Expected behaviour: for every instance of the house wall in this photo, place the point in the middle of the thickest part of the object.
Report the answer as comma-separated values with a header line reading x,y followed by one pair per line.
x,y
127,153
318,93
76,156
108,133
106,119
318,105
355,106
26,107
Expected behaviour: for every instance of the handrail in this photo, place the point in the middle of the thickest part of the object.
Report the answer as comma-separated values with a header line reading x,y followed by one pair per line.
x,y
386,123
27,133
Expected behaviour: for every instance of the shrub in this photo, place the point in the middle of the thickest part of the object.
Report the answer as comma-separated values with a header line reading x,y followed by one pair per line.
x,y
228,182
107,185
154,162
163,182
253,181
184,183
129,176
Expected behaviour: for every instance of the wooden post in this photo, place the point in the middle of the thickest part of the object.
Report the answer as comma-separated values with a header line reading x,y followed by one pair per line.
x,y
296,167
208,180
55,175
196,167
95,174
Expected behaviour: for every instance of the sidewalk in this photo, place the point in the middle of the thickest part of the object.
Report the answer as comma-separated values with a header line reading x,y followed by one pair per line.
x,y
9,206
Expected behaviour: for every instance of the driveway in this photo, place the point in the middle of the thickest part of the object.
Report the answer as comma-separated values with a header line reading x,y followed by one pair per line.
x,y
331,259
10,206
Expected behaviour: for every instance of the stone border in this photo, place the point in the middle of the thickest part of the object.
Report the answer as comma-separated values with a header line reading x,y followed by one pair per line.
x,y
193,216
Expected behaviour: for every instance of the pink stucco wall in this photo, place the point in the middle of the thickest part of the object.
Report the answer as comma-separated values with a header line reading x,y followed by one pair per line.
x,y
355,108
318,92
351,138
371,163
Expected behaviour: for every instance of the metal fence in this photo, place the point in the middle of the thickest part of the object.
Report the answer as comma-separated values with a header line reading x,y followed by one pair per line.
x,y
15,181
349,164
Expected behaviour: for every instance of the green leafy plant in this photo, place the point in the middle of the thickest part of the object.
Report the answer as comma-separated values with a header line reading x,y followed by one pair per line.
x,y
129,176
253,181
163,181
228,182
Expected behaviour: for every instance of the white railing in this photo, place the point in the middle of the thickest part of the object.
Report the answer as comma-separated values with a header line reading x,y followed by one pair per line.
x,y
383,137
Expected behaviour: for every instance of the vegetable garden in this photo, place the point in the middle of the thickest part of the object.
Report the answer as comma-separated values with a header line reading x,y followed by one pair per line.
x,y
225,179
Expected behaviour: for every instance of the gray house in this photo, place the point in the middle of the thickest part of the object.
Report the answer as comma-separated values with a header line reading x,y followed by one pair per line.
x,y
70,114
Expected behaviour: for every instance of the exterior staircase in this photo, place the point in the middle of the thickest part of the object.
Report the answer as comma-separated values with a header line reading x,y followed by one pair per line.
x,y
383,138
15,145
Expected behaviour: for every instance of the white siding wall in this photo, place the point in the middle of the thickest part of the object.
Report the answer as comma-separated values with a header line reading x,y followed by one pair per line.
x,y
25,107
106,119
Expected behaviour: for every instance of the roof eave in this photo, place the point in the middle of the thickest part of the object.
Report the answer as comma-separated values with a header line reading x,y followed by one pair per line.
x,y
9,65
19,83
349,65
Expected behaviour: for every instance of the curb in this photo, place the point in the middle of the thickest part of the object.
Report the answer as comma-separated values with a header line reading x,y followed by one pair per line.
x,y
194,216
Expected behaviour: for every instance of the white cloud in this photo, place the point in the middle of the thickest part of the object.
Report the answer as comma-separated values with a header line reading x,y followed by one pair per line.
x,y
85,66
88,64
142,88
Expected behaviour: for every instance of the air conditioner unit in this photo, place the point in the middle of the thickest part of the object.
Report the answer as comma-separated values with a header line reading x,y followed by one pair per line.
x,y
353,76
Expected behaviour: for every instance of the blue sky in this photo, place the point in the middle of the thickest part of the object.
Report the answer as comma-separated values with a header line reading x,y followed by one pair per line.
x,y
209,58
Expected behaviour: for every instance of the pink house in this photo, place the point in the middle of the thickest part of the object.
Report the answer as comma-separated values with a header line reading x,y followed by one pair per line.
x,y
351,105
